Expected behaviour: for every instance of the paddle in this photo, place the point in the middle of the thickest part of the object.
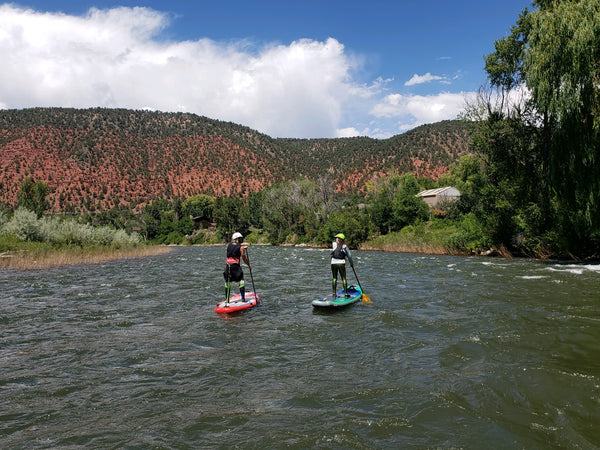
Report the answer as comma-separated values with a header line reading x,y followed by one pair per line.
x,y
251,277
364,297
228,285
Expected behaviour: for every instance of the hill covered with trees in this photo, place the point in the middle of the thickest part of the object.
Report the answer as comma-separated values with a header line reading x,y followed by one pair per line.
x,y
527,164
98,159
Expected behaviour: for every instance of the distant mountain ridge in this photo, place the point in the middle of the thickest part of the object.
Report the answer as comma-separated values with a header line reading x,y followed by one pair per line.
x,y
103,158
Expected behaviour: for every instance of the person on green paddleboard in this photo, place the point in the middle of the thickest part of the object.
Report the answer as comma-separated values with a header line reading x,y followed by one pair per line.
x,y
338,262
233,271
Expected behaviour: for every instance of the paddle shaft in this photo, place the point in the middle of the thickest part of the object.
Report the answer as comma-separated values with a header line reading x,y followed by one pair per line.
x,y
364,296
251,277
356,277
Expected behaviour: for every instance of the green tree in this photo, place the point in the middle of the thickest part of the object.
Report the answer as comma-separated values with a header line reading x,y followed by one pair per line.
x,y
294,208
355,224
563,73
152,217
32,196
255,204
408,208
543,154
228,215
504,66
382,194
509,182
185,226
198,206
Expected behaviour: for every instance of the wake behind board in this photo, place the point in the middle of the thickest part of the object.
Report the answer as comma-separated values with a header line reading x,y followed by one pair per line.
x,y
354,292
236,304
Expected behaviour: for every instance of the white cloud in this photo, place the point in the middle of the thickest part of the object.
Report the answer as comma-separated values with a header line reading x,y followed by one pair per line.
x,y
348,132
420,79
115,58
414,110
108,58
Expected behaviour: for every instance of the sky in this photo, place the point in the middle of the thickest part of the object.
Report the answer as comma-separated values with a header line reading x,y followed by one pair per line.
x,y
287,68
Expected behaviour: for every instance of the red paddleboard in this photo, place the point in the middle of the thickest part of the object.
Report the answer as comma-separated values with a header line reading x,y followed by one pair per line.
x,y
236,304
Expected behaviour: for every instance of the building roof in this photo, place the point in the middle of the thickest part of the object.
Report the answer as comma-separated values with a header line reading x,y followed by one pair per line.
x,y
443,191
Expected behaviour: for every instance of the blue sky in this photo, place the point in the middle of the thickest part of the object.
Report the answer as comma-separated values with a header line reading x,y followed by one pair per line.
x,y
285,68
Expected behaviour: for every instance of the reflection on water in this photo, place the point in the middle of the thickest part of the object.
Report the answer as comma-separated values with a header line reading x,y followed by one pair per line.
x,y
452,352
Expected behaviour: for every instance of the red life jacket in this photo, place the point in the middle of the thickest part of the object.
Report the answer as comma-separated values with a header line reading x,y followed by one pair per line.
x,y
234,253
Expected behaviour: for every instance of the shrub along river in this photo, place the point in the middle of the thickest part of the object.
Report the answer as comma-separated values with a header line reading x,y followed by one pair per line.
x,y
465,352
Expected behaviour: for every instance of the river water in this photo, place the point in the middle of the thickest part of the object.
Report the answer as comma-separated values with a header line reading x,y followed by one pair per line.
x,y
452,352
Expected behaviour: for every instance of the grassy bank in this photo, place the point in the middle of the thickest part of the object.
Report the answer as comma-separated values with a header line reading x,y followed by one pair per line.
x,y
415,239
31,242
38,256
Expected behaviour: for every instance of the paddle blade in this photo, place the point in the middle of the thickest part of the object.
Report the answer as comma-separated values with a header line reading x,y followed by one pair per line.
x,y
366,299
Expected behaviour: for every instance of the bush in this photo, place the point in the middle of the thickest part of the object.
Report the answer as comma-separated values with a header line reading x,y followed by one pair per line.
x,y
120,238
356,226
471,236
174,237
26,226
11,243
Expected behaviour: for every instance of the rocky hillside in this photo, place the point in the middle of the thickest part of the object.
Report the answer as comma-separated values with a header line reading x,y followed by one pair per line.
x,y
103,158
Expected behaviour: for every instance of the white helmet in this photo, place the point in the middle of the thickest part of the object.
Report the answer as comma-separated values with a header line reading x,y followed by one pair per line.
x,y
236,236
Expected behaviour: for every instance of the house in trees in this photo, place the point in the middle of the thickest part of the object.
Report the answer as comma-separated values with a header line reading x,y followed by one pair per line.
x,y
439,196
202,222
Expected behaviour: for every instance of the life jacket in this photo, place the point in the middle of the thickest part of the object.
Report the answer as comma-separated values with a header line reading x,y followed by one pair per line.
x,y
233,253
338,252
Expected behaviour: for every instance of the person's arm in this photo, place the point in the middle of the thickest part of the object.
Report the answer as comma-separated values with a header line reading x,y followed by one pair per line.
x,y
244,256
347,251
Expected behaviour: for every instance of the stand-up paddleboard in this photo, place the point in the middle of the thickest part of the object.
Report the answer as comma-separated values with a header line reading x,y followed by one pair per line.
x,y
236,304
354,295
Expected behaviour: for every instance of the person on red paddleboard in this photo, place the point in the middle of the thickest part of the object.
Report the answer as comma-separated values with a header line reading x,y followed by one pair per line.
x,y
236,251
338,262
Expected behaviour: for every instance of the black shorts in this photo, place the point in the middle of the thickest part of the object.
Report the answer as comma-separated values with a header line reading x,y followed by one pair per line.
x,y
233,272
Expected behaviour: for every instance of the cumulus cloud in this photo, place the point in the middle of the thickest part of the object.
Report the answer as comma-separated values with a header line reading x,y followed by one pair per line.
x,y
348,132
414,110
116,58
108,58
420,79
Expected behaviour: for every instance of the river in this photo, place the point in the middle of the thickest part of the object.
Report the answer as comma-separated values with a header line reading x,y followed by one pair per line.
x,y
452,352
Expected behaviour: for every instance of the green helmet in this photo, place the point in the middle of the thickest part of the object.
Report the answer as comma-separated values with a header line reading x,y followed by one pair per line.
x,y
341,236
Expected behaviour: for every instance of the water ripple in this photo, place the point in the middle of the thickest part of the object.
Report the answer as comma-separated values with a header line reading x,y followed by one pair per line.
x,y
452,352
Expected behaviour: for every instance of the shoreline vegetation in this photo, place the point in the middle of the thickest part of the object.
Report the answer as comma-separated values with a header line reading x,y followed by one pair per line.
x,y
19,254
38,244
35,259
29,242
36,256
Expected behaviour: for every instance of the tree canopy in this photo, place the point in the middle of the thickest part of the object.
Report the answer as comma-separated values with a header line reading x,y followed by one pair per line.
x,y
544,154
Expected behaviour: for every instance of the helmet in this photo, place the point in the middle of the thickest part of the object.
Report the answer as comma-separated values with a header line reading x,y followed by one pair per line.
x,y
236,236
341,236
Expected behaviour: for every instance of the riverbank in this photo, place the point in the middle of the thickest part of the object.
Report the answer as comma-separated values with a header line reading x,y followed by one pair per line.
x,y
428,249
423,239
44,259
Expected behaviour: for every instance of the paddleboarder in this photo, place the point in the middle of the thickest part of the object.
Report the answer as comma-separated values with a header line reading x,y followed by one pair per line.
x,y
338,262
233,271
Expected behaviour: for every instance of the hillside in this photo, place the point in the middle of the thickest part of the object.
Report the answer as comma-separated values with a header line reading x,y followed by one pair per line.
x,y
425,151
103,158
